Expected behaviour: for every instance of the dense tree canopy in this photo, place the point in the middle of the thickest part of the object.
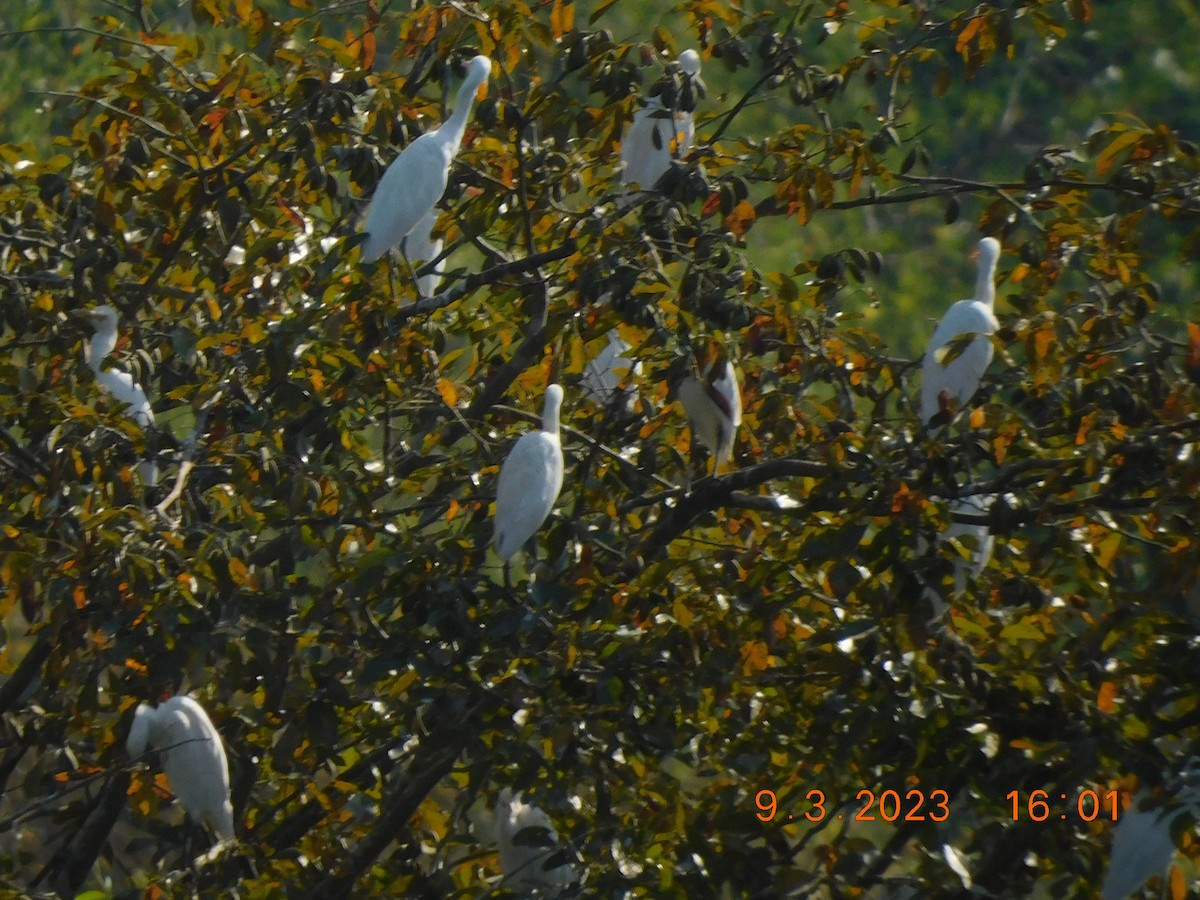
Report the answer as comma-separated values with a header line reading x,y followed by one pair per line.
x,y
313,565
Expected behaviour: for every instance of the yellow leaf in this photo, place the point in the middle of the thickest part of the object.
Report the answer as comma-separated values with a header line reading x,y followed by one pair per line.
x,y
1025,630
1108,155
977,417
1107,550
683,615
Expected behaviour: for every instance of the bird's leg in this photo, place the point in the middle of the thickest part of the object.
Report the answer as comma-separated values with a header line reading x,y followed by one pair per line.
x,y
411,271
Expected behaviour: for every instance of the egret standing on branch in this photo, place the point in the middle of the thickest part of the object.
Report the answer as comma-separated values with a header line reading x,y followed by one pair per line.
x,y
120,385
660,131
713,404
192,756
958,379
417,178
530,479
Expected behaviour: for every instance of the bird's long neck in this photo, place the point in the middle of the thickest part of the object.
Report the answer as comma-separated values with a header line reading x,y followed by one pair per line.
x,y
455,125
550,410
103,343
985,281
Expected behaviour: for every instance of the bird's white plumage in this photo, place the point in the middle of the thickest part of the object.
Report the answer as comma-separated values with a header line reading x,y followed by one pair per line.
x,y
960,378
420,247
530,854
192,755
604,374
657,134
981,552
530,479
417,178
117,384
1143,845
714,408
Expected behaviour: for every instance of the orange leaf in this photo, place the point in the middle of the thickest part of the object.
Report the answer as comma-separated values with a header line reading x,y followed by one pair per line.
x,y
742,217
1178,885
562,18
140,668
366,56
238,571
755,656
448,391
1085,426
779,627
453,510
968,33
1106,698
1193,345
977,417
711,205
289,212
79,595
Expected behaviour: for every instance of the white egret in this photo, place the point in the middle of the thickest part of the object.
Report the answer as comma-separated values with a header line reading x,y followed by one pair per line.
x,y
958,379
530,853
1142,842
119,385
714,408
603,375
530,479
658,134
192,756
417,178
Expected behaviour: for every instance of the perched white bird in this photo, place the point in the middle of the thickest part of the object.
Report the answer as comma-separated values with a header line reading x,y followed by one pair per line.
x,y
657,135
530,854
120,385
1142,842
603,375
192,756
417,178
714,408
530,479
959,379
420,246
